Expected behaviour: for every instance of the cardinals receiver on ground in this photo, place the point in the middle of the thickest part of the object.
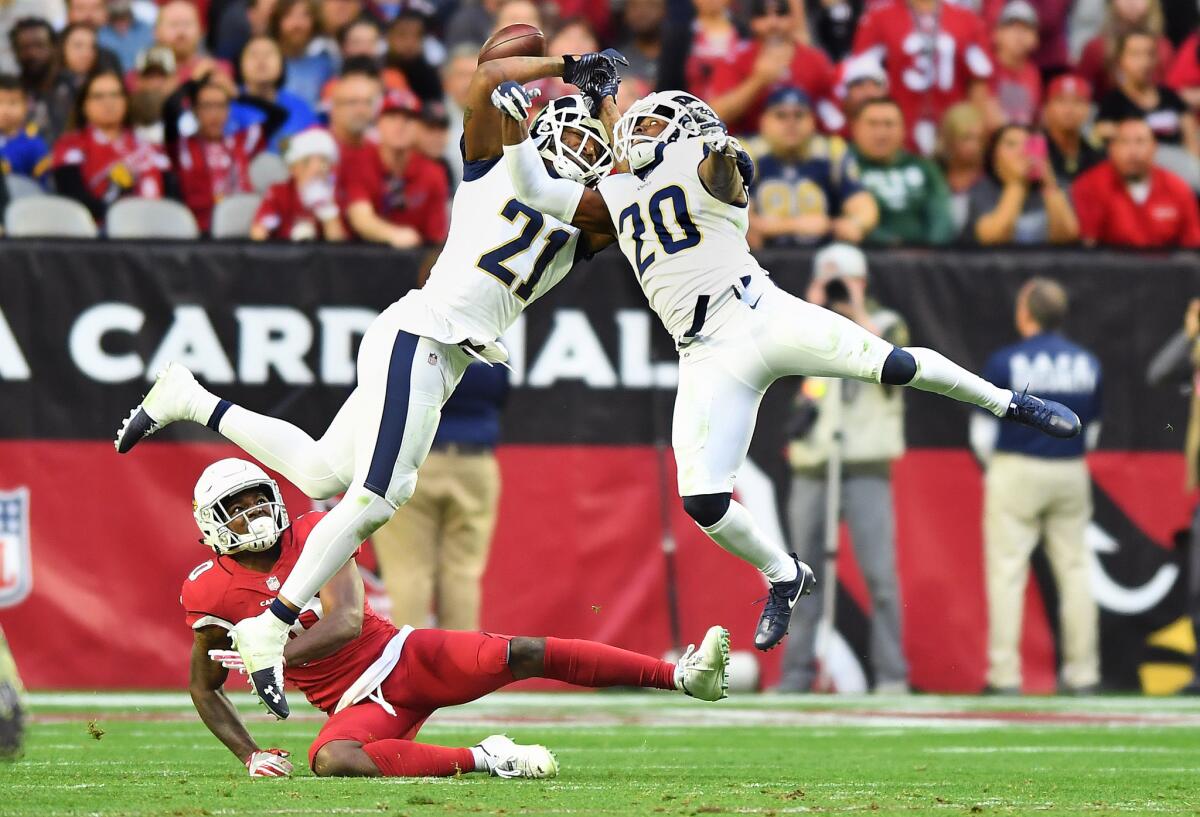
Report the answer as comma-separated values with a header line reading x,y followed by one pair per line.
x,y
377,683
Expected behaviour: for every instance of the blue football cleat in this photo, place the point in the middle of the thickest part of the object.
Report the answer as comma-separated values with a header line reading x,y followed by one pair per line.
x,y
777,613
1046,416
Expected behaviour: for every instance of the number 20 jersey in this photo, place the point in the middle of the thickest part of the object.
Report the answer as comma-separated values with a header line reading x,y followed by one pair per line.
x,y
500,256
682,242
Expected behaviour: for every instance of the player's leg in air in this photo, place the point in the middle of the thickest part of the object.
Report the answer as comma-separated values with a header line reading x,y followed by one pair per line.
x,y
441,668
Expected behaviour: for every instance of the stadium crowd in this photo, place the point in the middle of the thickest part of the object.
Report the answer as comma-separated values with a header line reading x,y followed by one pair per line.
x,y
877,122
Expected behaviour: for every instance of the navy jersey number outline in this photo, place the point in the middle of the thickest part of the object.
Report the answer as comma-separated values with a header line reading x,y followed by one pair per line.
x,y
666,238
492,261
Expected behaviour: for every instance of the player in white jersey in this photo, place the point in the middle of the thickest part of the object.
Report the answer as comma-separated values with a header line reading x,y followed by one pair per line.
x,y
681,219
500,256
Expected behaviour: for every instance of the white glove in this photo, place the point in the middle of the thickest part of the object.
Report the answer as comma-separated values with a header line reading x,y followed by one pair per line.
x,y
269,763
514,99
229,659
317,196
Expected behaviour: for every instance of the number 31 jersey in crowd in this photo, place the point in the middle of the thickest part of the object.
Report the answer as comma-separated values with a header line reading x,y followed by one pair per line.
x,y
500,256
683,243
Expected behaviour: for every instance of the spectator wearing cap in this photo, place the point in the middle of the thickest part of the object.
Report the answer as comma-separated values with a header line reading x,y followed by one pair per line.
x,y
51,94
124,34
310,60
960,155
1064,118
861,426
925,81
211,164
1018,200
304,208
178,27
642,42
1037,489
692,54
862,78
101,159
1016,82
1052,56
1136,93
22,150
1126,200
913,200
260,70
153,80
806,185
777,57
457,72
394,194
405,62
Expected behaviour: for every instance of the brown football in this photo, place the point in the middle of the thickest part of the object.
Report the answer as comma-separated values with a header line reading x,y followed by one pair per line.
x,y
517,40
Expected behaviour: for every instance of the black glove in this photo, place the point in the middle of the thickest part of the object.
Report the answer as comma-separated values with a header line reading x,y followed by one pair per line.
x,y
596,75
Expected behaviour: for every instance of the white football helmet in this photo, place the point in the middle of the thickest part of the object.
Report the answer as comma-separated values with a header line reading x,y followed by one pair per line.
x,y
222,480
547,132
682,114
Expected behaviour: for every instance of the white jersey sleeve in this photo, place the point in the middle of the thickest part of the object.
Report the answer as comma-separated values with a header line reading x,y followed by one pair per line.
x,y
500,256
687,247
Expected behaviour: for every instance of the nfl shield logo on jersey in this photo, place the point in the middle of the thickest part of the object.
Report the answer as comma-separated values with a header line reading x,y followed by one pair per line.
x,y
16,569
273,584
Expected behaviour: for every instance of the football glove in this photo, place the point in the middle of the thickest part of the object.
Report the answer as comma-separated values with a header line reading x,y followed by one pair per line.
x,y
269,763
596,75
515,99
229,659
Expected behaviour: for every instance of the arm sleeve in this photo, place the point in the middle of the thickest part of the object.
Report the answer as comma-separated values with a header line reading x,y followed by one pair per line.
x,y
534,186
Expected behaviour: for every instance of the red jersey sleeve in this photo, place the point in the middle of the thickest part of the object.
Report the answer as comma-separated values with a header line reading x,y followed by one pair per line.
x,y
435,220
1185,70
270,215
729,74
976,55
203,596
1088,201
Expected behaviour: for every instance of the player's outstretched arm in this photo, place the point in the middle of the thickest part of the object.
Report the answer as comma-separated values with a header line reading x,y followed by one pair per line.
x,y
207,677
566,200
341,622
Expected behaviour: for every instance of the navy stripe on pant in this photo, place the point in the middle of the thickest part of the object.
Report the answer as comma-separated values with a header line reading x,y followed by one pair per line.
x,y
395,414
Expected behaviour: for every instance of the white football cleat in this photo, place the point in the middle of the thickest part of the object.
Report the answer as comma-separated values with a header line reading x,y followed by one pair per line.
x,y
260,642
174,396
509,759
704,673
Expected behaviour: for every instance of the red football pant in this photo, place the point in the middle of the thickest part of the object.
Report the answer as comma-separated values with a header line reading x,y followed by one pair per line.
x,y
445,668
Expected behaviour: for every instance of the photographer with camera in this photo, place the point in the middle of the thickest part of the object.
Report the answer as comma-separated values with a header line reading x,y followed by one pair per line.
x,y
846,434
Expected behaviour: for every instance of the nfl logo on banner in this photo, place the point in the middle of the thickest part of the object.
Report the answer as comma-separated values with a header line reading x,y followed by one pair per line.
x,y
16,568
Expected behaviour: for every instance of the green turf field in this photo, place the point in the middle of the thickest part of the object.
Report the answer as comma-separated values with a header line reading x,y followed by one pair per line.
x,y
646,754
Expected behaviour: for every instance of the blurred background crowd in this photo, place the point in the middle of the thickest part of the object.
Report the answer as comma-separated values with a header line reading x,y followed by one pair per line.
x,y
877,122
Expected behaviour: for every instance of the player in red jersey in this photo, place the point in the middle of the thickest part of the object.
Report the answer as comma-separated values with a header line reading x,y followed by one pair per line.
x,y
936,55
377,683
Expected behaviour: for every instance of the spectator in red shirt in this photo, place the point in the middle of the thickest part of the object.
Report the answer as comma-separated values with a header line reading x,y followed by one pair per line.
x,y
691,55
100,159
304,208
1126,200
936,55
354,104
775,59
396,195
1098,59
1017,83
210,164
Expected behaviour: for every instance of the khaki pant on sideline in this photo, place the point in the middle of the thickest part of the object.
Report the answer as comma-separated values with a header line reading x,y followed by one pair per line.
x,y
1028,499
433,551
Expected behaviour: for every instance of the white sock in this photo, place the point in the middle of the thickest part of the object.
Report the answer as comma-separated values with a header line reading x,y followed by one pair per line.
x,y
282,447
678,678
737,533
333,541
483,761
938,374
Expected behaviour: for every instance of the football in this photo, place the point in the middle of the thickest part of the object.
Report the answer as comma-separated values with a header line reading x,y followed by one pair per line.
x,y
517,40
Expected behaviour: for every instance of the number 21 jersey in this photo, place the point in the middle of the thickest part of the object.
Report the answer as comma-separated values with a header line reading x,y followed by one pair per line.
x,y
682,242
500,256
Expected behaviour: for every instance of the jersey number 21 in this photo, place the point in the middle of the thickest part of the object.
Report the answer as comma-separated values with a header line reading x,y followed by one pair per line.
x,y
668,237
492,261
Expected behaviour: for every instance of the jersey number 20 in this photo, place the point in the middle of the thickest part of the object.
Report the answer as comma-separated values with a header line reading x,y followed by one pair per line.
x,y
492,261
668,237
